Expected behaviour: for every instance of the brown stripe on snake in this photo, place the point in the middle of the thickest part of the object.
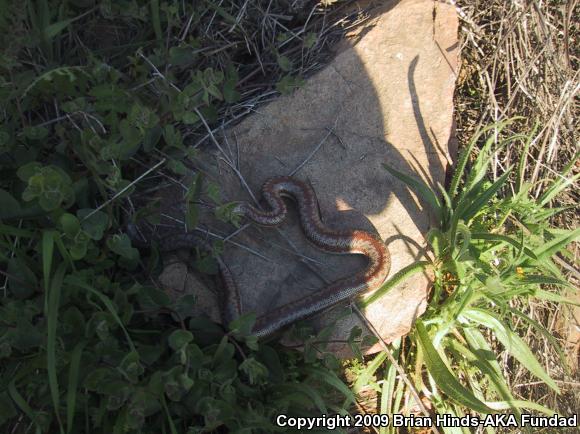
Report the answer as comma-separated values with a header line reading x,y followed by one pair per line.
x,y
337,242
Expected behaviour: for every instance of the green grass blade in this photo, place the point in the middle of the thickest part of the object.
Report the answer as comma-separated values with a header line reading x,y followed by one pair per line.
x,y
388,397
459,170
561,183
524,157
52,323
398,277
547,266
543,215
512,343
367,374
445,380
55,28
540,279
552,296
331,379
465,233
422,190
73,381
310,392
549,336
156,20
399,395
477,342
484,197
556,188
21,402
168,415
447,210
480,359
221,11
47,254
556,244
15,232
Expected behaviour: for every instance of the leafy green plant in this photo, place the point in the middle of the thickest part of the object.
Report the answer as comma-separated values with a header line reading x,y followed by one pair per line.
x,y
97,97
492,253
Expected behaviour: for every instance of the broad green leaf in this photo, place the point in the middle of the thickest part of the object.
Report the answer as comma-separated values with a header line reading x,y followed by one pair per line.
x,y
285,63
179,338
479,359
556,244
35,133
444,378
24,282
121,245
512,343
242,326
70,224
94,223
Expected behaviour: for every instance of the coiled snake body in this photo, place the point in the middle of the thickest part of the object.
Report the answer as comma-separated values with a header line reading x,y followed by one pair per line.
x,y
332,241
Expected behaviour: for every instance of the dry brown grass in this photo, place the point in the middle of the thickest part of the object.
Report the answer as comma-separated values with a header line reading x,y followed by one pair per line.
x,y
520,58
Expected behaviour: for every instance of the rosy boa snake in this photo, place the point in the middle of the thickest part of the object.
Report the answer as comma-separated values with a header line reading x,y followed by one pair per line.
x,y
325,239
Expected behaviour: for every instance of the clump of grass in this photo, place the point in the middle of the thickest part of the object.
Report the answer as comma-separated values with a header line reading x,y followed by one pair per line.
x,y
491,256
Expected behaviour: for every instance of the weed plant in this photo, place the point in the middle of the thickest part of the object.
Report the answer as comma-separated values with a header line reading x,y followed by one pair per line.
x,y
492,255
96,96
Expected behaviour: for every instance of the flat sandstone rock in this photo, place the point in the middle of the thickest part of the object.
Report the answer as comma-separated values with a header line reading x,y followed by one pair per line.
x,y
387,99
